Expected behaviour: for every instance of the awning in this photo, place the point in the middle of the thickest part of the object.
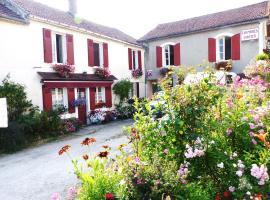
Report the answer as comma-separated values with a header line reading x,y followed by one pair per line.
x,y
52,76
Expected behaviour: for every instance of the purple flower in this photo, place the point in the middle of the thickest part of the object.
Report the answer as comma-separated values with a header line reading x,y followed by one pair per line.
x,y
137,160
229,103
251,126
55,196
254,141
139,181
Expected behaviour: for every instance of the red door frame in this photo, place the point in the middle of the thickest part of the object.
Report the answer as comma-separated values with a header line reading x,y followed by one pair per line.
x,y
82,108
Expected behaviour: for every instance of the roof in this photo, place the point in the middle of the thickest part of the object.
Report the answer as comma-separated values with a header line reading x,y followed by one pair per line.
x,y
52,76
226,18
9,11
45,12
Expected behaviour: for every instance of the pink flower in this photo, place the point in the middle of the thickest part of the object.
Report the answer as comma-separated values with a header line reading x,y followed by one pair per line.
x,y
55,196
260,173
229,131
166,151
139,181
251,126
72,192
254,141
229,103
137,160
239,173
262,131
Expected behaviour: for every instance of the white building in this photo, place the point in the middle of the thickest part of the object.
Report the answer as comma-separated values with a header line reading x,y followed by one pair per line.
x,y
34,37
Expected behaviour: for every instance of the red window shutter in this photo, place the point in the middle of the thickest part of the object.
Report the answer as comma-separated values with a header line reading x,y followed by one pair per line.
x,y
90,45
105,55
70,49
47,98
268,30
92,98
159,56
212,49
108,96
236,47
140,59
47,45
130,58
71,98
177,58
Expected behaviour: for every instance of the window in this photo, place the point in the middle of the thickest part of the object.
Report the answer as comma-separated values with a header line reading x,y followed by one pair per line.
x,y
100,95
168,55
224,49
59,48
98,54
57,97
135,63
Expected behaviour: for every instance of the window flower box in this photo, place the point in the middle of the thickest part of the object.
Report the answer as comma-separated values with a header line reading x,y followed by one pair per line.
x,y
224,65
102,72
137,73
64,70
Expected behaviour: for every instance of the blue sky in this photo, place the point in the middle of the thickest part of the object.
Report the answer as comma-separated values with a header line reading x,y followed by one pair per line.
x,y
138,17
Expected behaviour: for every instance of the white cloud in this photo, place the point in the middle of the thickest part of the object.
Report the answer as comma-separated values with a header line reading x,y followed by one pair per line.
x,y
138,17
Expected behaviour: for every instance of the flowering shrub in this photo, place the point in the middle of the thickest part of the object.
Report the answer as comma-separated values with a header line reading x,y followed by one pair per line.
x,y
64,70
137,73
163,71
99,116
72,125
102,72
224,65
260,68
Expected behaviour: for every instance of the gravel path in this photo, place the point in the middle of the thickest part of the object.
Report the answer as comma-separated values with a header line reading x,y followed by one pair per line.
x,y
37,173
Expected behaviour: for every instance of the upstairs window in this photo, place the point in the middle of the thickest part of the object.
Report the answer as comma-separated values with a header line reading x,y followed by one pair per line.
x,y
135,63
98,54
59,48
224,48
100,95
168,54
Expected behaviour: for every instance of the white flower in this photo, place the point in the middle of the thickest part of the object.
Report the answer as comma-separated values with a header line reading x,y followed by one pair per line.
x,y
122,182
220,165
231,189
248,193
239,173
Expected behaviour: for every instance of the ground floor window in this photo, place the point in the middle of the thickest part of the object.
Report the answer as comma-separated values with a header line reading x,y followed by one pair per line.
x,y
57,97
100,95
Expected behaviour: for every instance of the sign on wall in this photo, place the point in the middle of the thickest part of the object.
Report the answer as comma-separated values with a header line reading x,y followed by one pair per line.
x,y
250,34
3,113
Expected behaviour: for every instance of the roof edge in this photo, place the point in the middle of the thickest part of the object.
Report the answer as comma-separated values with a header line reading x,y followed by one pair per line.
x,y
202,30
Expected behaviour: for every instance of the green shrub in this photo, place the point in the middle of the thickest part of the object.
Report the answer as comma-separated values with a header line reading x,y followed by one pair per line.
x,y
12,138
123,88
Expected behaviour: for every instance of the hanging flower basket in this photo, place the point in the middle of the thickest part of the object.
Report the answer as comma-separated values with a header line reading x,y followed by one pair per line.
x,y
137,73
64,70
78,102
149,73
102,72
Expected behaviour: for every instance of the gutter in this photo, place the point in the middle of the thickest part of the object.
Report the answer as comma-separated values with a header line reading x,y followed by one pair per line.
x,y
202,30
81,30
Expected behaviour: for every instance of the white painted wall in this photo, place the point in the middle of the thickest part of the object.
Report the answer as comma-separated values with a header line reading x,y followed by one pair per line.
x,y
21,55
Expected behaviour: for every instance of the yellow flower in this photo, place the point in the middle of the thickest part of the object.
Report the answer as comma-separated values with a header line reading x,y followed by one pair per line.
x,y
129,158
239,95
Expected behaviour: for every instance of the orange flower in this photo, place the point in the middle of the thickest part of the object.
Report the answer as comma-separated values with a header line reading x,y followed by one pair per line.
x,y
103,154
88,141
239,95
261,137
63,150
85,157
258,196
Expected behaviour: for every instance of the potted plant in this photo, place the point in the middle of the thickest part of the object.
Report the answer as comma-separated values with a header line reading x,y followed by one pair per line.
x,y
137,73
224,65
102,72
64,70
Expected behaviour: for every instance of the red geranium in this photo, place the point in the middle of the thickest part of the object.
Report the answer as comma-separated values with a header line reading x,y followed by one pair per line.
x,y
226,194
218,197
109,196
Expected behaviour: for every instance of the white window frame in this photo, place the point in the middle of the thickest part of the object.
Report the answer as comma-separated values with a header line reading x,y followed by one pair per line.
x,y
164,46
64,49
136,66
55,102
100,95
218,38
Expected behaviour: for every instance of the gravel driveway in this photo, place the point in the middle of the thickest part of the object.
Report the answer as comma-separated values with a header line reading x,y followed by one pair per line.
x,y
37,173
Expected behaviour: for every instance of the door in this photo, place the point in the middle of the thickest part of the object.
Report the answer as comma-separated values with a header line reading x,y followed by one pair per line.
x,y
82,106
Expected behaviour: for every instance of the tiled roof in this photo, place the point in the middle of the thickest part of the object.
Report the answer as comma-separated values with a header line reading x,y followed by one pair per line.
x,y
6,12
52,76
211,21
49,13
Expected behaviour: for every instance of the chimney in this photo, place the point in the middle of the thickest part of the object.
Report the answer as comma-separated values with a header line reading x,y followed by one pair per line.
x,y
72,9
